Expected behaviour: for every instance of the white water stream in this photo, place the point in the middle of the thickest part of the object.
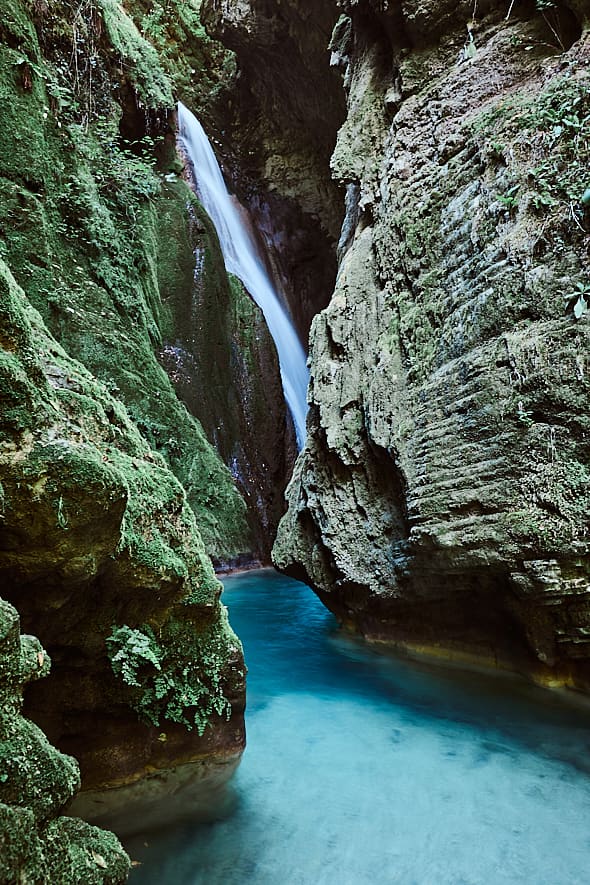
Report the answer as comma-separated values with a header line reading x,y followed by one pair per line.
x,y
242,259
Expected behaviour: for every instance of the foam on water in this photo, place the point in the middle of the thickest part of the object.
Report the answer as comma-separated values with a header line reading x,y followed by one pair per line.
x,y
365,769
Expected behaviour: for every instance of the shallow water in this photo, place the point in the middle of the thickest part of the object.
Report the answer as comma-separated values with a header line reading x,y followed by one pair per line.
x,y
362,768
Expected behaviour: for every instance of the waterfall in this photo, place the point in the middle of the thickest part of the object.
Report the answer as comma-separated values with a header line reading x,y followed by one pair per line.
x,y
242,259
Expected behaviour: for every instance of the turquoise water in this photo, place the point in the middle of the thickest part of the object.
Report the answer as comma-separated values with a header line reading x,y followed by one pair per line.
x,y
361,768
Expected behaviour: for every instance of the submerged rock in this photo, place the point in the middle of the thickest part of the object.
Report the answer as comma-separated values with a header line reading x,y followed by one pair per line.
x,y
442,500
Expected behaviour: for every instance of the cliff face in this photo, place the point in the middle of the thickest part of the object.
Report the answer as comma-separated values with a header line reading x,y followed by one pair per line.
x,y
112,498
442,498
102,555
218,343
285,109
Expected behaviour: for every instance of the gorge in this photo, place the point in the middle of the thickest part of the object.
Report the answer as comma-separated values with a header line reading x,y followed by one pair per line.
x,y
415,193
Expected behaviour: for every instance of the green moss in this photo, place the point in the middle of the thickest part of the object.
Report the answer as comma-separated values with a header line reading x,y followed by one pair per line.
x,y
153,86
32,772
21,855
77,852
556,503
95,257
36,782
200,69
549,153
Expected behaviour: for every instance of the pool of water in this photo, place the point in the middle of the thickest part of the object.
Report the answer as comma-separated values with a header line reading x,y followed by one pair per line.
x,y
362,768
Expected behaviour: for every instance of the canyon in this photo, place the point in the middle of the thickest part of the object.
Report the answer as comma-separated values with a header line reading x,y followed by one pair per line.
x,y
415,179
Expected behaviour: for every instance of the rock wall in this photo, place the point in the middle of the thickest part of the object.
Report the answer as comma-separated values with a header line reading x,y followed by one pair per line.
x,y
218,342
101,553
442,499
280,127
112,500
81,206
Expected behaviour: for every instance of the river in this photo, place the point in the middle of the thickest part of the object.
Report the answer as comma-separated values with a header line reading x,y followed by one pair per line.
x,y
365,769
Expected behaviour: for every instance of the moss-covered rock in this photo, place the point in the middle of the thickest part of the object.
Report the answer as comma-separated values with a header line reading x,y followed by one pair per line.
x,y
216,339
97,532
81,206
37,845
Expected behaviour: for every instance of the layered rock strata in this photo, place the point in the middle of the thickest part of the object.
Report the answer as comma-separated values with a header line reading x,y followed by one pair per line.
x,y
442,499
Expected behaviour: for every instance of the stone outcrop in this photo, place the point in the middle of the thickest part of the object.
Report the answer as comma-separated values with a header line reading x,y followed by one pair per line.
x,y
442,499
81,208
218,342
101,553
37,843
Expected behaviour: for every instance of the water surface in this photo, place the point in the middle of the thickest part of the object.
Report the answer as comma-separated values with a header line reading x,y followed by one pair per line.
x,y
362,768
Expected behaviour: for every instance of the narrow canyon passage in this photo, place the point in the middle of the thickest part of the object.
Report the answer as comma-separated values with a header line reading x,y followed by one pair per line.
x,y
362,768
350,337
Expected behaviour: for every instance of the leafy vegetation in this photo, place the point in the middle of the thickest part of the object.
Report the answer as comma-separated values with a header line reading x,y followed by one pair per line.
x,y
179,679
578,299
547,166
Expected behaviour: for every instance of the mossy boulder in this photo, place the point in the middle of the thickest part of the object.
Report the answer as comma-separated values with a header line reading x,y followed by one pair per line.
x,y
37,782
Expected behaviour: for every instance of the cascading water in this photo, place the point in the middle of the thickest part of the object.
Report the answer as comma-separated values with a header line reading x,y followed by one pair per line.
x,y
242,259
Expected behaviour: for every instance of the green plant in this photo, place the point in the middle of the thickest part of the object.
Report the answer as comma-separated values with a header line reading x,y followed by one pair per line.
x,y
550,14
509,199
130,651
578,300
525,416
175,678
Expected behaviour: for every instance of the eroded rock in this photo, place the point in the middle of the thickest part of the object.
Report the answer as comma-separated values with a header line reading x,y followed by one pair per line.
x,y
441,501
38,844
97,535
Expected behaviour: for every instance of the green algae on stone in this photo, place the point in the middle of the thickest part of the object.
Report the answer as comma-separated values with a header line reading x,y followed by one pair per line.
x,y
88,251
443,491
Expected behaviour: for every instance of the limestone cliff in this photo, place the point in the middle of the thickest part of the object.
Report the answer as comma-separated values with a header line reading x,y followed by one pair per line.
x,y
37,843
442,500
